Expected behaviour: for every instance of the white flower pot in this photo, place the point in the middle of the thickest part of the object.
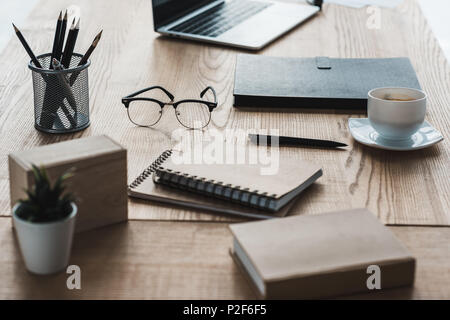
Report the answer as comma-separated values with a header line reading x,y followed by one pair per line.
x,y
45,246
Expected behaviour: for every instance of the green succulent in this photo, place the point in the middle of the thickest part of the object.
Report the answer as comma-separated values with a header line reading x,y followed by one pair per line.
x,y
44,203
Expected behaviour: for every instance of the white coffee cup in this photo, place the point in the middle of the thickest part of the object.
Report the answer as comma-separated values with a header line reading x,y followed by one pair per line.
x,y
396,113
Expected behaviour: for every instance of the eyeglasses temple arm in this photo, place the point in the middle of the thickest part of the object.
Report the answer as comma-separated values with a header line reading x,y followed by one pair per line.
x,y
213,91
151,88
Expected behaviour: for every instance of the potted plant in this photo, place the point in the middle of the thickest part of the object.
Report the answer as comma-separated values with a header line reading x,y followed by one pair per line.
x,y
45,223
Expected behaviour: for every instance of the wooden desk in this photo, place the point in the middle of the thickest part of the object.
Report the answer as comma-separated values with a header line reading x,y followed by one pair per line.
x,y
174,259
188,260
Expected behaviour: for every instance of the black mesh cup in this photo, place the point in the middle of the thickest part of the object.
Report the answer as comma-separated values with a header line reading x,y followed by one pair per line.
x,y
61,97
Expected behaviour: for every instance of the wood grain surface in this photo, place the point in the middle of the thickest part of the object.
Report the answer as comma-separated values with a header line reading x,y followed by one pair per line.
x,y
188,260
400,187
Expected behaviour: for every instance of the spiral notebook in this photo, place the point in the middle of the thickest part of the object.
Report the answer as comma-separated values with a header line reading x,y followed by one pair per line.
x,y
211,187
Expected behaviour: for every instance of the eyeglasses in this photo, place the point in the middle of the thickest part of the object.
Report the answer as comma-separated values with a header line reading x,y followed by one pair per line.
x,y
191,113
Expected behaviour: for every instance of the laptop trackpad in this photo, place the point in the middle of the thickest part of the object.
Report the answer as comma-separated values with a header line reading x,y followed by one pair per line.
x,y
268,24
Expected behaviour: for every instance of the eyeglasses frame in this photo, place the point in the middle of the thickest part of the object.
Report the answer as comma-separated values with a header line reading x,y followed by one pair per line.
x,y
132,97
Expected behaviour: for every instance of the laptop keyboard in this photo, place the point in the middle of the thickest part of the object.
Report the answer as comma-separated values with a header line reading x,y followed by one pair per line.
x,y
217,20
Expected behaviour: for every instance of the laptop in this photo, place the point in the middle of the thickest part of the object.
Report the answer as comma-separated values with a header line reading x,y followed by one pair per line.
x,y
249,24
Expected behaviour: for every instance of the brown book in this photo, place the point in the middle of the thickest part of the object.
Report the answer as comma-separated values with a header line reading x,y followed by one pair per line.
x,y
319,256
162,181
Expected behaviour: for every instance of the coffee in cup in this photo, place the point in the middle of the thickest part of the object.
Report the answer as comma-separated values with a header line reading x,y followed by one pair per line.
x,y
396,113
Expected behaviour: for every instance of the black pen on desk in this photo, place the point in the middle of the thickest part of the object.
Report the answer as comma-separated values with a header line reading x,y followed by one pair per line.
x,y
292,141
27,47
56,38
70,44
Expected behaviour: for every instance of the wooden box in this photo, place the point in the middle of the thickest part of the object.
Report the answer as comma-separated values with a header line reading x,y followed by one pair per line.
x,y
99,182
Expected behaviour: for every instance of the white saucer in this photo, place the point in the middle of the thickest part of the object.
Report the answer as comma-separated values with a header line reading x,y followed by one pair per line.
x,y
363,132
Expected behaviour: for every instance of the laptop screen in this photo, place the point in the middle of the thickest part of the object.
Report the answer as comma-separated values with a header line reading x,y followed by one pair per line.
x,y
165,11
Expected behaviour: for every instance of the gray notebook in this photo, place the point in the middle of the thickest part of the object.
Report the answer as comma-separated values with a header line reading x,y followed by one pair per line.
x,y
320,82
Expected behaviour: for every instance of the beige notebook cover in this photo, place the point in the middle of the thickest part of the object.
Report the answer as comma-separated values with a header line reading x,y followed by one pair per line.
x,y
320,255
144,188
291,173
245,184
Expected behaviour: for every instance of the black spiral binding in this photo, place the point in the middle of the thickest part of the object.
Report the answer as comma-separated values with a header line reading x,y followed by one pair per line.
x,y
152,168
216,189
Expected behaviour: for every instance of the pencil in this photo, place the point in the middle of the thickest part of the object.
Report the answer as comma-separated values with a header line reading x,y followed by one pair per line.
x,y
85,58
56,38
292,141
70,44
27,47
62,36
91,49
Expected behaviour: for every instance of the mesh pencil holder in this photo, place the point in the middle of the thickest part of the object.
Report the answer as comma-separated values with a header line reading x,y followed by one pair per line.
x,y
61,97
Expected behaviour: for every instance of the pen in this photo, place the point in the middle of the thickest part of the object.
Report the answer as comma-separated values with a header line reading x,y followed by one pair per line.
x,y
292,141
